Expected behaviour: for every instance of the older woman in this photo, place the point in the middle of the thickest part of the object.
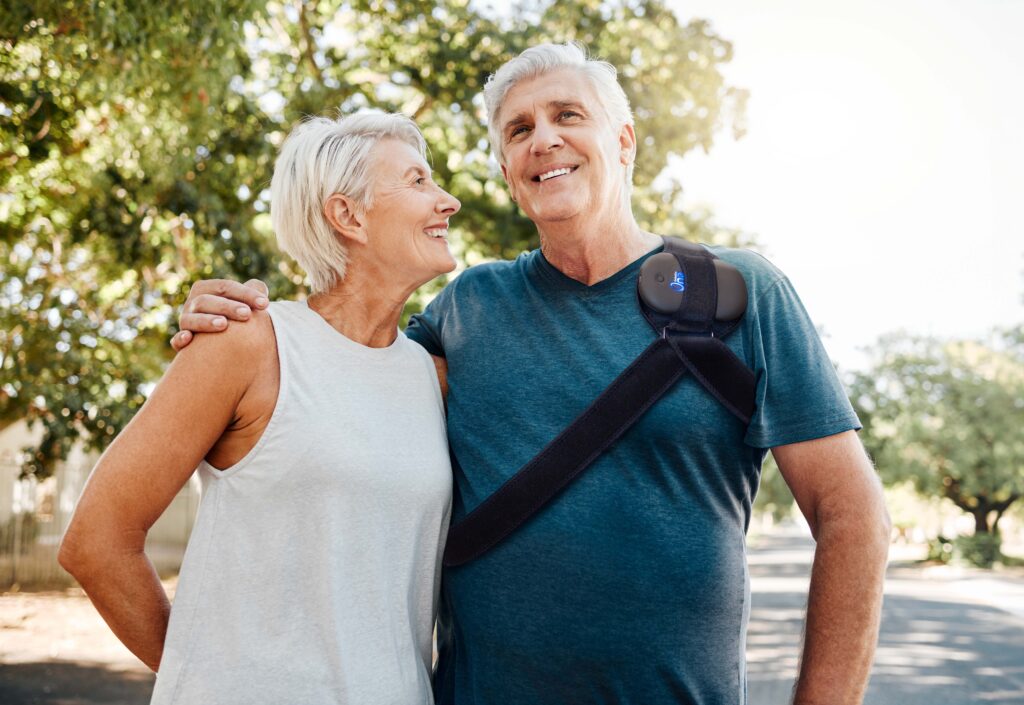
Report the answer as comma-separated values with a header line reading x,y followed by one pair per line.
x,y
313,568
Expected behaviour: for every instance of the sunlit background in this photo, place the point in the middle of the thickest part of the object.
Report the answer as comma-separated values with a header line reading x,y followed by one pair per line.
x,y
870,149
883,167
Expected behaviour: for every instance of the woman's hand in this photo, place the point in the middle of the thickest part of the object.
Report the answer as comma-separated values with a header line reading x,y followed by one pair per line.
x,y
212,303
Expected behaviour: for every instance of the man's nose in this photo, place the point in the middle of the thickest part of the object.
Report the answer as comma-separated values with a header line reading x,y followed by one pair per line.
x,y
546,137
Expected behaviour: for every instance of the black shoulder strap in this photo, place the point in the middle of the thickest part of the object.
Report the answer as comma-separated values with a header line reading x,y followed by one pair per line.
x,y
686,342
711,308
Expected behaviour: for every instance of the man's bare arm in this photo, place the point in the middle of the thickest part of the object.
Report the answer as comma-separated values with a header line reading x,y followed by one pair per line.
x,y
441,365
213,303
838,492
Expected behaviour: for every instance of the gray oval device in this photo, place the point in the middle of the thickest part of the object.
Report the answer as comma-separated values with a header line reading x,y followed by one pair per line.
x,y
657,274
662,283
732,292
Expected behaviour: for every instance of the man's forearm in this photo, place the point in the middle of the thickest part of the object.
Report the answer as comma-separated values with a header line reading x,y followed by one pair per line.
x,y
843,610
128,595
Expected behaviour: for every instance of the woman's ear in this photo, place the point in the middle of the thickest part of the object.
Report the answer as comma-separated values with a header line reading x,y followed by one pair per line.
x,y
341,213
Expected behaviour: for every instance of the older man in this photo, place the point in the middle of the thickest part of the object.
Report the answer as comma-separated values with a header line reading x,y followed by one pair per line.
x,y
631,586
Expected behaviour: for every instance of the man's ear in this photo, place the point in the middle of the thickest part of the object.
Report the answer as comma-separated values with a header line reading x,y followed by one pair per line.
x,y
343,216
627,145
508,181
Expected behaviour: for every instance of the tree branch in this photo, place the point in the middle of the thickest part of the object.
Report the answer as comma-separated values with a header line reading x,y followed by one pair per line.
x,y
308,43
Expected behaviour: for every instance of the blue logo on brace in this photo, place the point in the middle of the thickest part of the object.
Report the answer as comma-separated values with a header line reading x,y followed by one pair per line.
x,y
679,283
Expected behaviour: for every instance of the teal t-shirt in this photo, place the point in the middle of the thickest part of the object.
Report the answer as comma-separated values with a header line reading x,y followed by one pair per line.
x,y
631,586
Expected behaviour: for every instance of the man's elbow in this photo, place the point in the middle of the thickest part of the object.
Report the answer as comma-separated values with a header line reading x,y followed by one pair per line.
x,y
859,517
876,521
871,527
885,523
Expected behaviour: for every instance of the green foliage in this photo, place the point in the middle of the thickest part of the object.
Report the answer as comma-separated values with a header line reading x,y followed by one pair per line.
x,y
137,141
947,417
940,549
981,550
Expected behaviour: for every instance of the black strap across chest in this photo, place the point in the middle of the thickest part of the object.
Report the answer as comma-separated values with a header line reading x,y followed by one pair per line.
x,y
689,340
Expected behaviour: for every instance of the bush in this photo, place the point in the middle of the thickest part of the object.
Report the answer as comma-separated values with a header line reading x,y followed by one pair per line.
x,y
940,549
981,550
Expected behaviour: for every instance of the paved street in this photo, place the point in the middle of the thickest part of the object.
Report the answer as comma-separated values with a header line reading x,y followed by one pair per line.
x,y
949,637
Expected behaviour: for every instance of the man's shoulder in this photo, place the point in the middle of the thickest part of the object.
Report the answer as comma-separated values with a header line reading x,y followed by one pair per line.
x,y
497,273
751,264
759,274
478,287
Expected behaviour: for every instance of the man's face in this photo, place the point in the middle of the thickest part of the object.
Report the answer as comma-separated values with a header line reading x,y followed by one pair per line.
x,y
562,157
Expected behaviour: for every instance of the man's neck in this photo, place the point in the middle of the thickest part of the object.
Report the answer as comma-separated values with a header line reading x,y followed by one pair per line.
x,y
591,252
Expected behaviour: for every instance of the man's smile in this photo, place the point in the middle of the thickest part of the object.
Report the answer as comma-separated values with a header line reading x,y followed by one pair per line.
x,y
554,173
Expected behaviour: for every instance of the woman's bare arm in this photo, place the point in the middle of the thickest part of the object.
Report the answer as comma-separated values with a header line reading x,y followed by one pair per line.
x,y
141,472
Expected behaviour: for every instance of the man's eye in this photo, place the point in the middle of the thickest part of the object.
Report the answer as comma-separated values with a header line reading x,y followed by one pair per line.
x,y
518,130
567,114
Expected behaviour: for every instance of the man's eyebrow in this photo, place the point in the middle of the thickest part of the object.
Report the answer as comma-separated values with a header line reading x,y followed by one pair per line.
x,y
516,120
567,104
520,118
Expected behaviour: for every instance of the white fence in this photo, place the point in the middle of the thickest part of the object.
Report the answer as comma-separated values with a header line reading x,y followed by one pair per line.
x,y
34,515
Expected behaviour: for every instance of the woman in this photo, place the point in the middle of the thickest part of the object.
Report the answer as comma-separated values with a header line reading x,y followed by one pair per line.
x,y
313,568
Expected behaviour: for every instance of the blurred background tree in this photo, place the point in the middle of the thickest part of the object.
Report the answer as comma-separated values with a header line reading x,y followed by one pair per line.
x,y
137,142
947,416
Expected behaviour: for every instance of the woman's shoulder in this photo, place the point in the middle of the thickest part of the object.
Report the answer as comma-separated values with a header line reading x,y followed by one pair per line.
x,y
244,344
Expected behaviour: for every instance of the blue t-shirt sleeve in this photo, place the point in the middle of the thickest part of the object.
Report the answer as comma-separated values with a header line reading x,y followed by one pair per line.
x,y
799,395
425,328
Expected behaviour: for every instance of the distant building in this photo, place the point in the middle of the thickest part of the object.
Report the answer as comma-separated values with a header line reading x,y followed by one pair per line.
x,y
34,515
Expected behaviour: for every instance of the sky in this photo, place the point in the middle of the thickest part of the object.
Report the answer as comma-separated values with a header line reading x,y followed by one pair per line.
x,y
883,167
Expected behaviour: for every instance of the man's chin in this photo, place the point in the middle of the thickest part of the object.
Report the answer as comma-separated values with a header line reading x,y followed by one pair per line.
x,y
552,214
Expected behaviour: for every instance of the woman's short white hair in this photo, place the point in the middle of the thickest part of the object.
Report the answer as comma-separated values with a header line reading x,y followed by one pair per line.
x,y
545,58
322,157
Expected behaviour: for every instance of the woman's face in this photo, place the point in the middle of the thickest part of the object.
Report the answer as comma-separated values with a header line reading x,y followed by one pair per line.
x,y
407,225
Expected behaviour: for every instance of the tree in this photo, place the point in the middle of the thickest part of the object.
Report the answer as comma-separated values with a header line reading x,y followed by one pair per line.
x,y
137,141
947,417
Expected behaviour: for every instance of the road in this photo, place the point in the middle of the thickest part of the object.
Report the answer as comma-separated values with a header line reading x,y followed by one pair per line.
x,y
949,637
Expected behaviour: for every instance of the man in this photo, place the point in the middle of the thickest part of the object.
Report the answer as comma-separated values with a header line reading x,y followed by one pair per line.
x,y
631,586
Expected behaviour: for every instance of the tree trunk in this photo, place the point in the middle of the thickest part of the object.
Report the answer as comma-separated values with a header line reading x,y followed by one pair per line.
x,y
1000,508
981,519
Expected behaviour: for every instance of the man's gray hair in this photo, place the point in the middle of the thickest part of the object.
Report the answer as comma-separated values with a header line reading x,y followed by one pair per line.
x,y
321,157
545,58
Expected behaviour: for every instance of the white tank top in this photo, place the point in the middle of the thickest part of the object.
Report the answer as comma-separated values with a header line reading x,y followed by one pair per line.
x,y
313,569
